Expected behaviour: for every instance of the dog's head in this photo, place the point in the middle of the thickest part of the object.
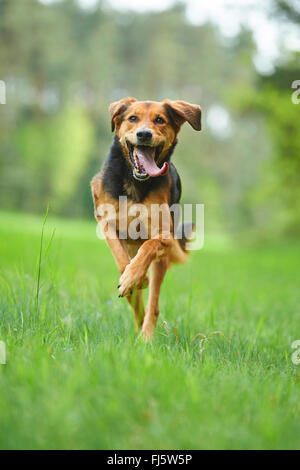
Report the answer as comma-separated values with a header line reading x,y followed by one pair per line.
x,y
148,129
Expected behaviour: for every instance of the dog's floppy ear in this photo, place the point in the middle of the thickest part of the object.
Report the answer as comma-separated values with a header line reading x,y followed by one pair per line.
x,y
182,111
117,108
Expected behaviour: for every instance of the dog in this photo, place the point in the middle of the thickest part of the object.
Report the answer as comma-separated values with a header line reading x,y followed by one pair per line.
x,y
138,168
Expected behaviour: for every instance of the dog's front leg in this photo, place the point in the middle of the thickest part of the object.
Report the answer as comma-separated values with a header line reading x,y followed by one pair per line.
x,y
157,274
160,252
134,297
135,272
120,255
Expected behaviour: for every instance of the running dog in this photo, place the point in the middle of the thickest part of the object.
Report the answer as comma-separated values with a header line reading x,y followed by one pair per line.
x,y
138,167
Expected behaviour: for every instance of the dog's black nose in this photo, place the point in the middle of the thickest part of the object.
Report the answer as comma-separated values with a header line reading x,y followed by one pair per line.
x,y
144,135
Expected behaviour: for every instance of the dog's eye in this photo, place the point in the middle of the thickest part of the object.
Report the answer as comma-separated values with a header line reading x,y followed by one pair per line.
x,y
159,120
133,118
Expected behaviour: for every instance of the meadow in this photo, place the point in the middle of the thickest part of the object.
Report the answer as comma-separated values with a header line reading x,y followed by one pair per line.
x,y
218,375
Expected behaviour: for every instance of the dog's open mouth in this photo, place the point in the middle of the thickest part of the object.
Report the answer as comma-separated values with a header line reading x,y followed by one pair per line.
x,y
144,158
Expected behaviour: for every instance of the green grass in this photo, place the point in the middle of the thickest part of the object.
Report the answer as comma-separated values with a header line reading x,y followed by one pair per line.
x,y
76,378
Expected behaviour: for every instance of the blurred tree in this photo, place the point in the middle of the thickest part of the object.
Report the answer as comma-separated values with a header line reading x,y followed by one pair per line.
x,y
274,201
287,9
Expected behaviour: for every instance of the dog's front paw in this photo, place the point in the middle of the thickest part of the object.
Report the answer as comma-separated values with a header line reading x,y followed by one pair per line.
x,y
134,275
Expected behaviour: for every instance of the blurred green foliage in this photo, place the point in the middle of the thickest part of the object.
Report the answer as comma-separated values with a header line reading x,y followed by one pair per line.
x,y
275,199
63,65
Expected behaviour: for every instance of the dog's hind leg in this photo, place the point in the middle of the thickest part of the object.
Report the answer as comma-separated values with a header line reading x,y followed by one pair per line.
x,y
157,273
136,301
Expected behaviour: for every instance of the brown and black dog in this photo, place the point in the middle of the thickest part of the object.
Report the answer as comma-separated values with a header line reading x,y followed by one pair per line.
x,y
138,167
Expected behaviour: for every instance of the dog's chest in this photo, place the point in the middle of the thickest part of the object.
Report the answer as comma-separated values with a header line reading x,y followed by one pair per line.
x,y
133,221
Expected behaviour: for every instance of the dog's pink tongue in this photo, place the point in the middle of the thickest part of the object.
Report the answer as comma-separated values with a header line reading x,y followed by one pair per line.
x,y
146,159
